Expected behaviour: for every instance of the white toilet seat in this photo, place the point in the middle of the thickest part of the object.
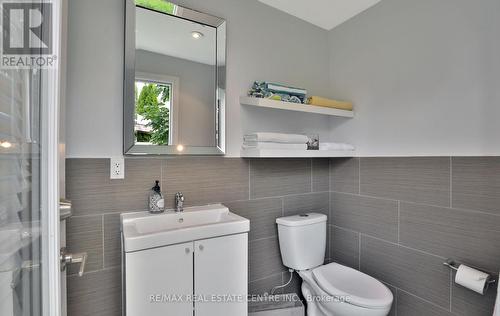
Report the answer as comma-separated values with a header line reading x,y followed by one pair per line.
x,y
358,288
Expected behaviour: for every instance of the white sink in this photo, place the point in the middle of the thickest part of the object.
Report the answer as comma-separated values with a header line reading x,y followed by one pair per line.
x,y
143,230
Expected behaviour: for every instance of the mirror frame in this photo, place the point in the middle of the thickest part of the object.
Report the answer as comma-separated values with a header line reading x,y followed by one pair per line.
x,y
129,146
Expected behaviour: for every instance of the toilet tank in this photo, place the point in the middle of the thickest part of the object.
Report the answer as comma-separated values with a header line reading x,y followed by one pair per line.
x,y
302,240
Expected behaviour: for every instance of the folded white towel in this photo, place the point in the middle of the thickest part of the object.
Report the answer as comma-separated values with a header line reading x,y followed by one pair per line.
x,y
276,138
336,146
269,145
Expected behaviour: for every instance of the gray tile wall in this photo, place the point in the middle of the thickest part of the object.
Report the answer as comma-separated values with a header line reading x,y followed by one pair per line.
x,y
394,218
397,219
260,190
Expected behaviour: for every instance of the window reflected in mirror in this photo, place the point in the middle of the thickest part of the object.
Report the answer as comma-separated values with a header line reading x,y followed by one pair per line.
x,y
152,113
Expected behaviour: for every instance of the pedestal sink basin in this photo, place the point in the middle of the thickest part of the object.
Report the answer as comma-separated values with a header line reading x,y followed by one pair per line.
x,y
143,230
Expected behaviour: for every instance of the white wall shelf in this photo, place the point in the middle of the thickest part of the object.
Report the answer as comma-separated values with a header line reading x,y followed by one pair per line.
x,y
280,153
289,106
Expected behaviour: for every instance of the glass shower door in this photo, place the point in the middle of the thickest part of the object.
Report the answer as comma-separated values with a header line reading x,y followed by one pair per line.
x,y
20,208
29,219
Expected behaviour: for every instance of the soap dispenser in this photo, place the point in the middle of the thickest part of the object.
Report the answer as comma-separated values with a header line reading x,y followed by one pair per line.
x,y
156,201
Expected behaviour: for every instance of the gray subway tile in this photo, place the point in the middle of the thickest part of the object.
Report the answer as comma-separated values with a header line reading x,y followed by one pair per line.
x,y
84,234
277,177
262,214
92,192
414,179
95,294
265,285
344,175
205,180
344,247
320,175
410,305
476,183
307,203
462,235
468,303
372,216
112,240
410,270
264,258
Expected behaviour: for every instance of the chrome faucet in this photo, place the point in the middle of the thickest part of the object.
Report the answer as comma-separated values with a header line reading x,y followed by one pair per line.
x,y
179,202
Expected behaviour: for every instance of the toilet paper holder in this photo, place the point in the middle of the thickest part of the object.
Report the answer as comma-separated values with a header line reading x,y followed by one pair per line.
x,y
450,263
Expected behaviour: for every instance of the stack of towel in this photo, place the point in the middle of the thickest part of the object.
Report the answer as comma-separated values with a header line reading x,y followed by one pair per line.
x,y
275,141
329,103
278,92
336,146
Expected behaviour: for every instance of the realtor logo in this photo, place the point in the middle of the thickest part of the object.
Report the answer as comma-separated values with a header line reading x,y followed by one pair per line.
x,y
27,34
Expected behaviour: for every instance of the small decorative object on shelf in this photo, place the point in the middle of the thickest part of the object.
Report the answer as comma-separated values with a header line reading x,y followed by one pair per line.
x,y
313,143
277,92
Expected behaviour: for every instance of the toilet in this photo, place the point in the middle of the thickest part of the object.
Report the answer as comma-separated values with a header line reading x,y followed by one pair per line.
x,y
332,289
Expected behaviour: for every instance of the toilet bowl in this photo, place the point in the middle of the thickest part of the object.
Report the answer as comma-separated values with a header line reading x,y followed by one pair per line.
x,y
332,289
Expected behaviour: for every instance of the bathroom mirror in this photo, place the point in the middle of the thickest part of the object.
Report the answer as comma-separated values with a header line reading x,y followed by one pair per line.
x,y
174,85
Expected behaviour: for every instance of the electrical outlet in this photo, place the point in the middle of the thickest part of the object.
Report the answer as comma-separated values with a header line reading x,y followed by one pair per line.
x,y
117,168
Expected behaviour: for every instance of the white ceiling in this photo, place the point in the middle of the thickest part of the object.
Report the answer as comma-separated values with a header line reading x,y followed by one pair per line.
x,y
167,35
326,14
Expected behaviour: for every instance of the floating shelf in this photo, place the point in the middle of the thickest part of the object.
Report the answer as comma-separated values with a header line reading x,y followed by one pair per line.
x,y
289,106
281,153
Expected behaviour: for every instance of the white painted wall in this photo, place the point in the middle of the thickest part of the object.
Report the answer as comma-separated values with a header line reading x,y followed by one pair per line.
x,y
424,77
95,74
263,44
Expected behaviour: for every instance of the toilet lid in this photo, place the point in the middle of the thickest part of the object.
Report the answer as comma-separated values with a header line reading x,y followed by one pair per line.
x,y
361,289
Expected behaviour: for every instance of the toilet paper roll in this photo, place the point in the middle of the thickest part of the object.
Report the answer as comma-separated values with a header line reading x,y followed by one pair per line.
x,y
472,279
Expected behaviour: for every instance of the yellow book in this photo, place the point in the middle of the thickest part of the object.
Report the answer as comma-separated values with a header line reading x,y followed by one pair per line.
x,y
329,103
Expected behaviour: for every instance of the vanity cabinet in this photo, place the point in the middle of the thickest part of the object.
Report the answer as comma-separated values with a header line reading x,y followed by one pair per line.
x,y
220,269
204,278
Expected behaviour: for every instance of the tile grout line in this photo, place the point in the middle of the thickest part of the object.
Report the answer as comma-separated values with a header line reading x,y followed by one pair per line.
x,y
102,231
249,181
75,275
402,246
266,277
451,288
421,298
311,162
416,203
263,238
451,182
396,302
359,251
208,203
399,220
282,278
359,176
330,216
329,174
375,197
